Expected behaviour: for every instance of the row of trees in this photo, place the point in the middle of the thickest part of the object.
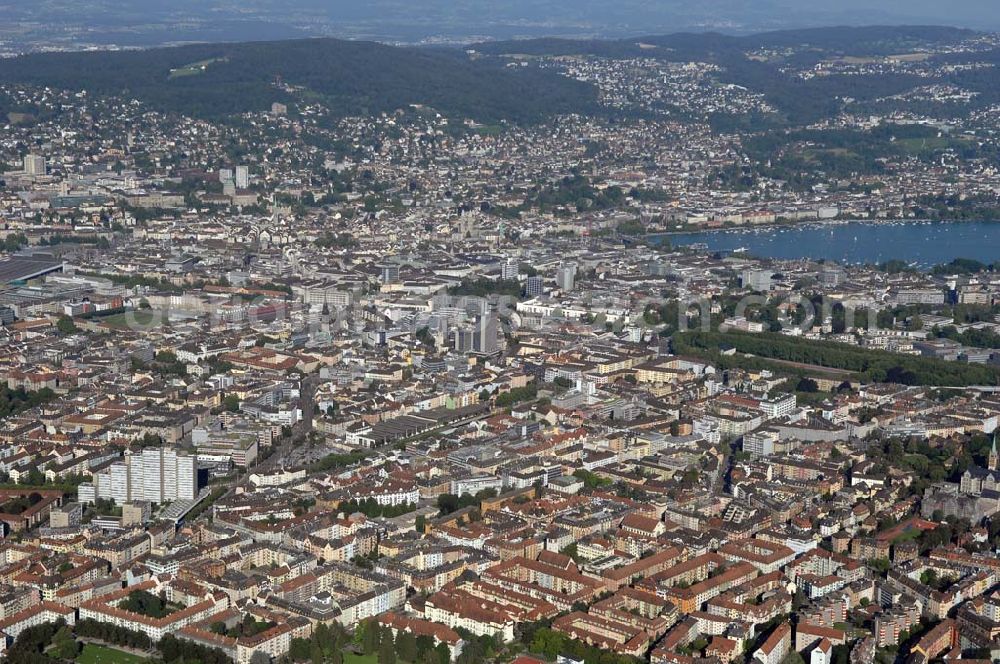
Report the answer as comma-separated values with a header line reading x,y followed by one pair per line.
x,y
543,640
173,649
372,508
29,646
132,281
977,338
13,242
145,603
964,266
483,287
54,642
877,366
373,638
14,401
517,395
109,633
449,502
324,645
335,461
249,626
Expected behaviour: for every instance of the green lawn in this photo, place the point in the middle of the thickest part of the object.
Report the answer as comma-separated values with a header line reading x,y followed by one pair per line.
x,y
140,317
352,658
907,535
95,654
193,69
931,144
489,130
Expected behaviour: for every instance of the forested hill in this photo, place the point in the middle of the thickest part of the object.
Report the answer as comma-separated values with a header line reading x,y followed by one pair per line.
x,y
761,62
359,78
351,78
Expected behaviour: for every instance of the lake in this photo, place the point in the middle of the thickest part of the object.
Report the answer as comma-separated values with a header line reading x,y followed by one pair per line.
x,y
920,243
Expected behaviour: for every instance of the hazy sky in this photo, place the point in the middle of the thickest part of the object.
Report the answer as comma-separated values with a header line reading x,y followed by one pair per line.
x,y
638,13
971,13
417,20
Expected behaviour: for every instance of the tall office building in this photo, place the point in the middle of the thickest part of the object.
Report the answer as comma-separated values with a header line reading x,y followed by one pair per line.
x,y
168,475
390,274
463,340
156,475
242,177
509,270
535,286
118,484
150,468
187,477
133,478
566,277
757,280
476,306
484,336
180,474
225,175
34,164
164,474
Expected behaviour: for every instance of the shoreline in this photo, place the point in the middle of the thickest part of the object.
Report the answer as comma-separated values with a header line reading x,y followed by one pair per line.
x,y
813,224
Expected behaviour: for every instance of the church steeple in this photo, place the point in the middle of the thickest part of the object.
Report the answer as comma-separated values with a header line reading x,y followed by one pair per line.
x,y
994,460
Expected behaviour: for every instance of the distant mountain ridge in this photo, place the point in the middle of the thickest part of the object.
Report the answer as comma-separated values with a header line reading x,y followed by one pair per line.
x,y
866,40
